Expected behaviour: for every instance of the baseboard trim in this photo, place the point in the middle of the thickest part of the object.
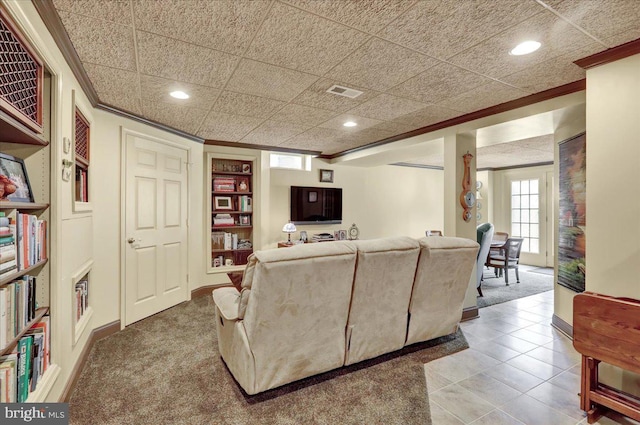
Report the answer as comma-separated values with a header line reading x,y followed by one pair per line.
x,y
96,335
203,291
562,326
469,313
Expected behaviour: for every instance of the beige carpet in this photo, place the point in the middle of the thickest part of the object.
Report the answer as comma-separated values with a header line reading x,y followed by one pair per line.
x,y
166,370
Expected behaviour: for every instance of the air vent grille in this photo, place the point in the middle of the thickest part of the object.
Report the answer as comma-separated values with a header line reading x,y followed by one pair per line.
x,y
344,91
82,136
18,74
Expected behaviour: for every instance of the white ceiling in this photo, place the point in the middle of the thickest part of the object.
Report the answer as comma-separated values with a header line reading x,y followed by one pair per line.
x,y
258,71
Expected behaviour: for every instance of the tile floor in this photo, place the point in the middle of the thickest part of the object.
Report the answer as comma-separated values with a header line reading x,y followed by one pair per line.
x,y
518,370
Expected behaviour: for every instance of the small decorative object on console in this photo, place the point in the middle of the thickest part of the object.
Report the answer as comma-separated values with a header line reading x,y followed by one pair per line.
x,y
354,232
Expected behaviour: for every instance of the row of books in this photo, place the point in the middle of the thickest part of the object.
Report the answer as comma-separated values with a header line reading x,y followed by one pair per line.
x,y
82,185
82,298
8,262
230,184
17,307
224,240
23,244
22,369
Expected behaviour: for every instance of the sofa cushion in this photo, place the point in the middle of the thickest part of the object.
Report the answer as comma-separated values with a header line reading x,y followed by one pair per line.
x,y
442,278
297,311
381,293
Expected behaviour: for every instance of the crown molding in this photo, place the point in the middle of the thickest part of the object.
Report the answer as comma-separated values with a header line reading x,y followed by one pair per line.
x,y
563,90
610,55
260,147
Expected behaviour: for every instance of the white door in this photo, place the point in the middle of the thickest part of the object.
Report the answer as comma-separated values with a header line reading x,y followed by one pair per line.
x,y
155,227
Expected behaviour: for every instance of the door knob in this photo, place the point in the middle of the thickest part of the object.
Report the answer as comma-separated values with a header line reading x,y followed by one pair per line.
x,y
131,240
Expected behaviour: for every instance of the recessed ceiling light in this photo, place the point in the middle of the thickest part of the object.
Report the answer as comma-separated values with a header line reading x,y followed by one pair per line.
x,y
350,124
525,48
179,94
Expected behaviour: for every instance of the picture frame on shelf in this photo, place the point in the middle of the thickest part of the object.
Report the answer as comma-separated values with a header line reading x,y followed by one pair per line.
x,y
14,180
343,235
223,203
242,184
245,220
246,168
326,176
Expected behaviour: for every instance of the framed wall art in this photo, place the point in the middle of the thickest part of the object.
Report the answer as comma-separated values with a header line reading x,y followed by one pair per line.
x,y
14,181
572,213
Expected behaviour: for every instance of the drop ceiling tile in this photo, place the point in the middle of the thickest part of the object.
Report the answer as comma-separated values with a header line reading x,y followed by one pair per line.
x,y
169,58
369,16
303,115
541,143
552,73
387,107
100,42
623,37
441,28
603,19
365,137
115,87
337,123
177,116
316,96
380,65
245,104
157,89
118,11
270,81
228,26
272,133
483,97
430,115
395,127
227,127
438,83
300,40
492,57
316,138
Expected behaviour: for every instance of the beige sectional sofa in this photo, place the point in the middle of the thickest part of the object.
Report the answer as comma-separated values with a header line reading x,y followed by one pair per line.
x,y
312,308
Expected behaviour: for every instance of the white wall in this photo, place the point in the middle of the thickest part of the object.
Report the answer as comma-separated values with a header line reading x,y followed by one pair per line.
x,y
613,208
382,201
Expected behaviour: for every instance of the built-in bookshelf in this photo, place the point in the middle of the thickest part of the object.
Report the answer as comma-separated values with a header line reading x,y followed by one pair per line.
x,y
232,212
82,133
27,373
82,310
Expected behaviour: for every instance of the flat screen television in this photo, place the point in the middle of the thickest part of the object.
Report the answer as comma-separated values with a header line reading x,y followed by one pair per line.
x,y
316,205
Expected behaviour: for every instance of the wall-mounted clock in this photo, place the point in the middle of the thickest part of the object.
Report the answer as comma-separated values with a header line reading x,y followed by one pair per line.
x,y
467,197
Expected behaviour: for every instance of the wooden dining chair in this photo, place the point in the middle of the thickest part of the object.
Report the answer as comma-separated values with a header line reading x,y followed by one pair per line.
x,y
508,258
498,238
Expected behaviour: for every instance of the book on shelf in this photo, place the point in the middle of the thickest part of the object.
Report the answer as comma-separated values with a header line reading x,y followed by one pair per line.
x,y
82,297
82,186
224,184
245,204
22,369
17,307
31,240
223,220
9,369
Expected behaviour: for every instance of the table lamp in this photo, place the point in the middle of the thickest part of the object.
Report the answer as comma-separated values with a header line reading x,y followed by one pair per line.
x,y
289,228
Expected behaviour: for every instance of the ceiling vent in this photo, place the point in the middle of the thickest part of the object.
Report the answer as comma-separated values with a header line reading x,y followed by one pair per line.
x,y
344,91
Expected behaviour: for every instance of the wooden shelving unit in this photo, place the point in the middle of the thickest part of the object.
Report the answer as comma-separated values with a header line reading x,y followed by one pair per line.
x,y
232,194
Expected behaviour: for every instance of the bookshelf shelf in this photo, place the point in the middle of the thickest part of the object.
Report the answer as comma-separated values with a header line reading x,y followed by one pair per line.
x,y
230,227
230,173
221,251
223,193
45,385
39,315
24,206
21,273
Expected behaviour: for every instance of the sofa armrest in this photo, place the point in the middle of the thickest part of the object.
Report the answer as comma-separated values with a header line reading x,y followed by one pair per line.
x,y
227,300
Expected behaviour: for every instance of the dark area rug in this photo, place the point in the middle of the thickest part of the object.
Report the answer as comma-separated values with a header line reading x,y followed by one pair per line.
x,y
495,291
166,370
